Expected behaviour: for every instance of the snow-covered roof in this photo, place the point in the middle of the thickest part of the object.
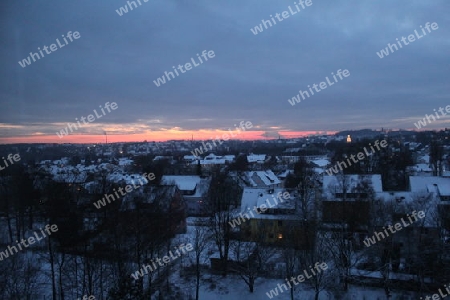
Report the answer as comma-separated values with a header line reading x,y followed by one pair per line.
x,y
334,184
184,183
189,157
160,157
252,198
284,174
212,159
256,158
228,157
261,178
321,162
399,197
423,159
124,161
430,184
318,170
117,177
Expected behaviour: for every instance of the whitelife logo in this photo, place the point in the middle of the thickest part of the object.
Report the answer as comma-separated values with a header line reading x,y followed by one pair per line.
x,y
123,10
31,240
128,189
411,38
188,66
319,267
90,119
198,151
438,296
360,156
323,85
371,241
27,61
259,209
165,259
15,157
284,15
423,122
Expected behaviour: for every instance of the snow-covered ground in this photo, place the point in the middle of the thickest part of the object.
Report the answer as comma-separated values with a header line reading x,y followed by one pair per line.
x,y
213,287
232,287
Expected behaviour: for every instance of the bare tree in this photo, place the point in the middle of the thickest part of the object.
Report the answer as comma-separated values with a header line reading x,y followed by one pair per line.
x,y
224,195
251,258
291,258
318,254
200,242
19,278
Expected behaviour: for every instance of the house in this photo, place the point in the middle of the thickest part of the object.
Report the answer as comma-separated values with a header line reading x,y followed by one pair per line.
x,y
440,186
261,179
211,161
194,190
272,216
347,199
360,202
256,158
439,189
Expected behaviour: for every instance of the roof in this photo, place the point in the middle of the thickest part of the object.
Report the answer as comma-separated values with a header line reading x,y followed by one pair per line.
x,y
70,177
285,173
184,183
190,157
252,198
123,161
430,184
334,183
321,162
256,157
261,178
127,178
212,159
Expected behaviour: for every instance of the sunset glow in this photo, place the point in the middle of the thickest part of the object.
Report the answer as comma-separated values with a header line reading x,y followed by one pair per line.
x,y
157,136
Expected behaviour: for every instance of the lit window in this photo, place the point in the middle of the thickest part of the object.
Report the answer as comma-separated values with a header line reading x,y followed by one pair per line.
x,y
280,235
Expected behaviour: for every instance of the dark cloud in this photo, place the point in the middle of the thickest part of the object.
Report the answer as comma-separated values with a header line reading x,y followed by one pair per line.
x,y
250,78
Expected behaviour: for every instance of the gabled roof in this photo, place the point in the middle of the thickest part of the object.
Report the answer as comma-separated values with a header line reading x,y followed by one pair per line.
x,y
261,178
252,198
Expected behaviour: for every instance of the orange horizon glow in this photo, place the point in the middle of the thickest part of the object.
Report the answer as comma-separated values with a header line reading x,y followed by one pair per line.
x,y
156,136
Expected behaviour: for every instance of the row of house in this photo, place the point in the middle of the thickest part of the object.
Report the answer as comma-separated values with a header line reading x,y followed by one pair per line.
x,y
356,200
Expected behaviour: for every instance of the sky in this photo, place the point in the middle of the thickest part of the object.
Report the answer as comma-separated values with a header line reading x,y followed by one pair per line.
x,y
250,78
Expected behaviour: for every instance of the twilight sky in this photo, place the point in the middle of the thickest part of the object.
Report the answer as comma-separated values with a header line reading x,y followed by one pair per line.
x,y
251,77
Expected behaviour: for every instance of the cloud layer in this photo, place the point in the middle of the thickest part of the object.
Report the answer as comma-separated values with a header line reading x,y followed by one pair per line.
x,y
250,78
